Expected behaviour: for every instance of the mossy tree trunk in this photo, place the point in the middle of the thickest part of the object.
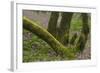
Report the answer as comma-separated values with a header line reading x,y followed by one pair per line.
x,y
47,37
65,27
85,28
72,40
52,25
61,33
84,33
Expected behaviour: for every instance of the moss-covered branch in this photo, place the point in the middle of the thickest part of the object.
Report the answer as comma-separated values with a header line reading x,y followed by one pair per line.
x,y
46,36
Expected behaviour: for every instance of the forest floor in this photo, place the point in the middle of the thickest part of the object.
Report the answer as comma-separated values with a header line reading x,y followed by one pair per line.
x,y
35,49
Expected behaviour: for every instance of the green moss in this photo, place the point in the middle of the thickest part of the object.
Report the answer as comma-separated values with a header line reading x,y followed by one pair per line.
x,y
43,51
46,36
76,23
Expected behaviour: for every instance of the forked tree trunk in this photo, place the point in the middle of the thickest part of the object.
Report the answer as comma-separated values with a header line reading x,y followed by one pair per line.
x,y
47,37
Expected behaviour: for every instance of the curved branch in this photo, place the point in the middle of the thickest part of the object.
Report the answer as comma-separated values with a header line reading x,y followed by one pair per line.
x,y
46,36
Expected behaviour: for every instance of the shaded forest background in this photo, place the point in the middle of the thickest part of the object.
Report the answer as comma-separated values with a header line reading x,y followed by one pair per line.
x,y
36,49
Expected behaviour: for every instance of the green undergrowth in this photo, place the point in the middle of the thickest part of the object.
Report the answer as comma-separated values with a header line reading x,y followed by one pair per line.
x,y
35,49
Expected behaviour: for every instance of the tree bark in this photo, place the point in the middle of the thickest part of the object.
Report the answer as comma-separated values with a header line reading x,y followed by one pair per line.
x,y
72,41
46,36
84,33
52,25
64,27
85,28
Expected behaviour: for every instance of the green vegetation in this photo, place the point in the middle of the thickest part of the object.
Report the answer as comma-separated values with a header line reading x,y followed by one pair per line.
x,y
42,45
38,50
